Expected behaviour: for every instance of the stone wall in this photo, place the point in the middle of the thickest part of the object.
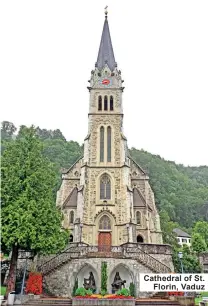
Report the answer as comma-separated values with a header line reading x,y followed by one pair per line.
x,y
61,281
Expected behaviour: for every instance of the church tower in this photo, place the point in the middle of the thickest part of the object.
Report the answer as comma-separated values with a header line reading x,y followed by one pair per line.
x,y
105,196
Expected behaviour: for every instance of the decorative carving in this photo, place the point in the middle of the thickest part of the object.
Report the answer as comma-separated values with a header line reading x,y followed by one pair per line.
x,y
118,283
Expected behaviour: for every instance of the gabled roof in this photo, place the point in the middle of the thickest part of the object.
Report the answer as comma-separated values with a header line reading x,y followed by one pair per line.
x,y
67,170
129,156
181,233
71,200
138,199
106,54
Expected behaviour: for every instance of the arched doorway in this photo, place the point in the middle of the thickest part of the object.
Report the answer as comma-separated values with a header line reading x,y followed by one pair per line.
x,y
140,239
71,238
104,236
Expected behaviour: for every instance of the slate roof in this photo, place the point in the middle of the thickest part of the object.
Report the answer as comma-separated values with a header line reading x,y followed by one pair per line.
x,y
181,233
106,54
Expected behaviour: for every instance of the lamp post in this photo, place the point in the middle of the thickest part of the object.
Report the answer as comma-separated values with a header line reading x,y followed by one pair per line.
x,y
180,256
81,226
127,226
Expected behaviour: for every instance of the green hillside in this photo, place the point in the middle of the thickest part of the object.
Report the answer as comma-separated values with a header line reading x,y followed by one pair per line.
x,y
181,191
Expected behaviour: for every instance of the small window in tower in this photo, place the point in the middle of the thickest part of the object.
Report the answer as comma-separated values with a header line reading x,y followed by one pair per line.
x,y
105,103
111,103
102,144
71,217
99,103
104,223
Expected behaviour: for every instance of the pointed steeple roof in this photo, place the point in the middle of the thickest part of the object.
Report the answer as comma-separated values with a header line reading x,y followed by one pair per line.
x,y
106,54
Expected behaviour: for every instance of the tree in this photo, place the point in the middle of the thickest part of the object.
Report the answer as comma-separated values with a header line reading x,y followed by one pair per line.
x,y
30,219
201,227
198,244
7,130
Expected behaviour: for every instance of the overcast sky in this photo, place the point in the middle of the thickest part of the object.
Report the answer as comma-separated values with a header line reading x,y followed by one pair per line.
x,y
48,49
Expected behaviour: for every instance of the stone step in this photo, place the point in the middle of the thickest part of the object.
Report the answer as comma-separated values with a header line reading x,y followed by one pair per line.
x,y
49,301
149,302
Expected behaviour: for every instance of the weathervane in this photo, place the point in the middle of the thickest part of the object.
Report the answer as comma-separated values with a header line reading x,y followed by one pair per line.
x,y
106,11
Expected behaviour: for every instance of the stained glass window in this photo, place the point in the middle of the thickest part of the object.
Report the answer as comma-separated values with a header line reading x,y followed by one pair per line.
x,y
102,144
105,223
109,144
105,187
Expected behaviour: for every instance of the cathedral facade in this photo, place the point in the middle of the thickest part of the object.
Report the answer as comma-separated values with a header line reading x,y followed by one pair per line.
x,y
106,198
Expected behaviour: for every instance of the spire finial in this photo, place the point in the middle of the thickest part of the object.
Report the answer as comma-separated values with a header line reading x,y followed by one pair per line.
x,y
106,11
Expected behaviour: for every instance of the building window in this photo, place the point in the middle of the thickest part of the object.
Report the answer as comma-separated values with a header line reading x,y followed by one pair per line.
x,y
109,144
105,103
99,103
102,144
184,240
178,239
111,103
71,238
138,217
104,223
140,239
105,187
71,217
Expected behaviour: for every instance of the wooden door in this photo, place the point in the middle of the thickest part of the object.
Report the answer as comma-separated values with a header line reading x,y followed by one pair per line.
x,y
104,242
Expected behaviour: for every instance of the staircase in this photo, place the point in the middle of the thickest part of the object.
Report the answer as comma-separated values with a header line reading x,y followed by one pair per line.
x,y
49,302
152,302
89,251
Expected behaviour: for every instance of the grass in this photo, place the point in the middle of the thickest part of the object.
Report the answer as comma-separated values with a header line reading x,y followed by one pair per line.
x,y
3,290
199,299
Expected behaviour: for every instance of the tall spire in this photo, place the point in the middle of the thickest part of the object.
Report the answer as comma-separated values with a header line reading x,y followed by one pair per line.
x,y
106,54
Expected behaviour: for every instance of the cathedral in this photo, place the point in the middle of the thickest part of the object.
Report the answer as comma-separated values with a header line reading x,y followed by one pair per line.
x,y
105,196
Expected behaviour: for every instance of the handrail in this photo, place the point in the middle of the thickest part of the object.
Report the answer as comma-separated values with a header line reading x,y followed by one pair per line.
x,y
77,250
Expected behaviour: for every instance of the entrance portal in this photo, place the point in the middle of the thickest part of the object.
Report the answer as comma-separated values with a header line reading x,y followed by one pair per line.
x,y
104,242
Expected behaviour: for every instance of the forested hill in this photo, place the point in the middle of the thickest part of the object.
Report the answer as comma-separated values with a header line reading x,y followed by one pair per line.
x,y
181,191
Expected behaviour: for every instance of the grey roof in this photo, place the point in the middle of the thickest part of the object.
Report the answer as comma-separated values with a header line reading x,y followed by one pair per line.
x,y
181,233
138,199
106,54
71,200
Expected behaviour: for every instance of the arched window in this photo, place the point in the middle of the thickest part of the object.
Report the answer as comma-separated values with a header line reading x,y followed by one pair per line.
x,y
138,217
140,239
71,217
109,144
99,103
105,187
102,144
71,238
104,223
105,103
111,103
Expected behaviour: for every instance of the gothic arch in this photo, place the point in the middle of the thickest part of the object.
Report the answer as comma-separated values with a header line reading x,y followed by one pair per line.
x,y
105,187
83,272
124,272
112,183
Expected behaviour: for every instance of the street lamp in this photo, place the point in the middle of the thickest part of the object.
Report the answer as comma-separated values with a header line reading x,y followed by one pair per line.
x,y
127,226
180,256
81,226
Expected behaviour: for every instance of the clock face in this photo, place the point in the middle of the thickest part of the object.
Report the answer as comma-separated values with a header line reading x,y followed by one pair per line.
x,y
105,82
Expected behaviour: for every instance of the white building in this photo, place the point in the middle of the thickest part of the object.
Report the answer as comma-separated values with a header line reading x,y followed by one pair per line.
x,y
182,237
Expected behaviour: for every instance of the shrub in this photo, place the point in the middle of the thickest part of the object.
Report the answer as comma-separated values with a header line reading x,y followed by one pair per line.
x,y
75,287
124,292
89,292
103,292
132,289
81,291
104,276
